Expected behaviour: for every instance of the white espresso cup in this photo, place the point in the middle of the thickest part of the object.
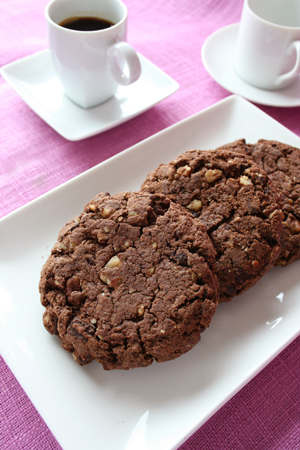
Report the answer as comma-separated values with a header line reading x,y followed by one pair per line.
x,y
91,64
268,44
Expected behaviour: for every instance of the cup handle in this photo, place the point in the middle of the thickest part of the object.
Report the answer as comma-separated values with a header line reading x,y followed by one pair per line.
x,y
122,55
296,69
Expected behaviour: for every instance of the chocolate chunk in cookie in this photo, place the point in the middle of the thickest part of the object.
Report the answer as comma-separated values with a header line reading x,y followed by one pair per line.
x,y
131,279
238,205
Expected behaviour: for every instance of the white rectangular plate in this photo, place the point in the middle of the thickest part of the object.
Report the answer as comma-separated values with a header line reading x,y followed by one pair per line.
x,y
158,407
34,79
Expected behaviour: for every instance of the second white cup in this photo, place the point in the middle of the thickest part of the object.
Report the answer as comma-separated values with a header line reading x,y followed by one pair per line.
x,y
268,44
91,64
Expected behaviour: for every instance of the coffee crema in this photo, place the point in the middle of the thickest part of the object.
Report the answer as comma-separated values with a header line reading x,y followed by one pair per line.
x,y
86,23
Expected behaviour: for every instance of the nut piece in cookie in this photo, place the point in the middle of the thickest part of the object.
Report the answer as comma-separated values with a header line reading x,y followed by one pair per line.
x,y
240,210
131,279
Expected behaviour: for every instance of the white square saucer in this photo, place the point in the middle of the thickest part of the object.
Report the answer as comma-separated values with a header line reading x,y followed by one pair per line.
x,y
34,79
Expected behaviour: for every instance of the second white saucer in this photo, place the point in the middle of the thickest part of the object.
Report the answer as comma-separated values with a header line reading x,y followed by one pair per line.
x,y
217,57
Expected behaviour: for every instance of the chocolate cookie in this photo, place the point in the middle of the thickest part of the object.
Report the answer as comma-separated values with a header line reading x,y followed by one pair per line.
x,y
128,281
238,205
282,164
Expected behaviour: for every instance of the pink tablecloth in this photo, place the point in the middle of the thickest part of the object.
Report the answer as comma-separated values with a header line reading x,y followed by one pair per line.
x,y
34,159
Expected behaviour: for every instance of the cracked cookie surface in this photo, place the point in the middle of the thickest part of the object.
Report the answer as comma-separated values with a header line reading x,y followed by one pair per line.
x,y
282,164
238,205
131,279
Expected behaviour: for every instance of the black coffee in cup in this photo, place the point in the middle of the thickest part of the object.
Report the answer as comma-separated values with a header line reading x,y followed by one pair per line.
x,y
86,23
